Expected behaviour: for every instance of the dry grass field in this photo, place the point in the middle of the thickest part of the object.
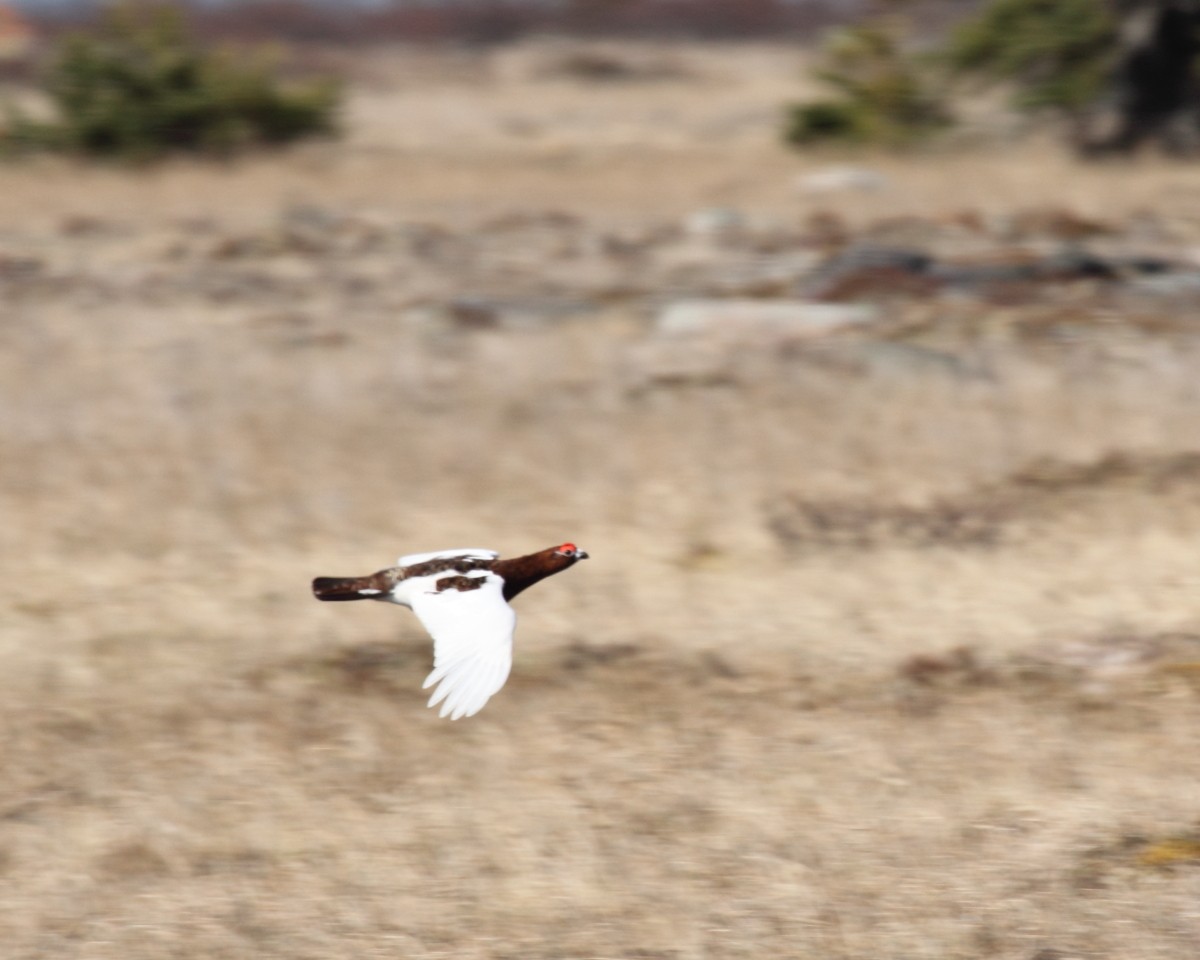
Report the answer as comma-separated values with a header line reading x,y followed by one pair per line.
x,y
889,646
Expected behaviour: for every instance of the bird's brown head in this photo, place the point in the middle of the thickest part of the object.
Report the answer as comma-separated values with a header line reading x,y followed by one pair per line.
x,y
520,573
557,559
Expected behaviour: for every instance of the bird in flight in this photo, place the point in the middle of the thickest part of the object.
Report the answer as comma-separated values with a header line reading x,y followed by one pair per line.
x,y
461,597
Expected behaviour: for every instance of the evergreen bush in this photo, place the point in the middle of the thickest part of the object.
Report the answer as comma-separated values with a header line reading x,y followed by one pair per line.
x,y
881,93
140,86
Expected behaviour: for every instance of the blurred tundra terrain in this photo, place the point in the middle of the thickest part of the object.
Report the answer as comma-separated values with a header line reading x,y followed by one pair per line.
x,y
888,467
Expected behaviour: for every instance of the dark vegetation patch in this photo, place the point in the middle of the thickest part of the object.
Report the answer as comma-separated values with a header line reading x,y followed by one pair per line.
x,y
1117,863
985,518
139,85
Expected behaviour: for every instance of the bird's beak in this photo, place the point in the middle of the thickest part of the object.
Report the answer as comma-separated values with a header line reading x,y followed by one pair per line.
x,y
581,555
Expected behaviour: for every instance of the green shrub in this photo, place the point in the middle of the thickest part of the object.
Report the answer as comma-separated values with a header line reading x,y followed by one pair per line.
x,y
1059,53
882,94
821,121
140,87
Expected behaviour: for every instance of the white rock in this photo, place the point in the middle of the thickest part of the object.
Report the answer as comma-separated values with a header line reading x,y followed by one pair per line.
x,y
713,221
738,319
842,178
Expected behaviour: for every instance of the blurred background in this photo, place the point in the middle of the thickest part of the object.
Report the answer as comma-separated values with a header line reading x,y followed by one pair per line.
x,y
858,345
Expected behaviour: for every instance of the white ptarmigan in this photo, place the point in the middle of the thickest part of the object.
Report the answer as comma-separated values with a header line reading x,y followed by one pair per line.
x,y
461,597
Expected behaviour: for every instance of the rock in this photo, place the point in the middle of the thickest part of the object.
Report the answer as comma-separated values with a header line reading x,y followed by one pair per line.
x,y
868,255
1064,265
887,358
838,179
16,267
714,222
868,270
307,216
771,276
972,275
738,319
873,283
1141,265
1075,263
1182,284
472,313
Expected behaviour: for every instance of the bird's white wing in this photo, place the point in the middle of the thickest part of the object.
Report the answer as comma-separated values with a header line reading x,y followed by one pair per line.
x,y
472,641
474,552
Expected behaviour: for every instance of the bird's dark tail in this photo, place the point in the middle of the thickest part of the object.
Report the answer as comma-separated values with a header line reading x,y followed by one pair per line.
x,y
349,588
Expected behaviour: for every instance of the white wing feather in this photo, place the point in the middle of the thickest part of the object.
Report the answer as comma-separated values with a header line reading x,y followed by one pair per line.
x,y
473,552
472,634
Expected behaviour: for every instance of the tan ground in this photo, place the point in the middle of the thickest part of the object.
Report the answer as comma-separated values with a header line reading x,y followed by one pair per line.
x,y
863,666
